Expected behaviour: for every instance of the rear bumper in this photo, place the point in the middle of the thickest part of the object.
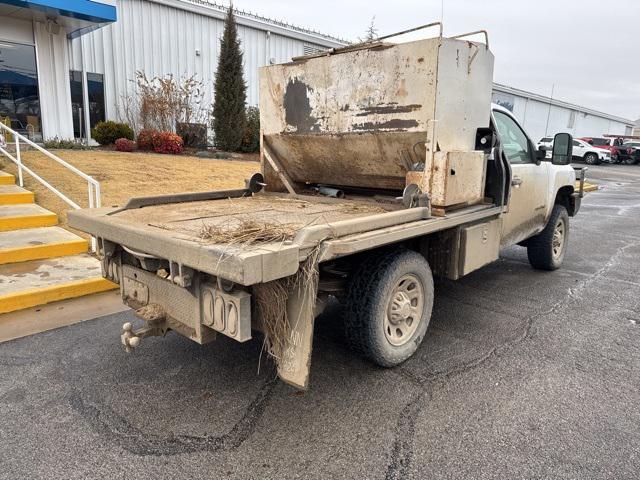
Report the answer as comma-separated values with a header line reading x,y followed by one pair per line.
x,y
197,312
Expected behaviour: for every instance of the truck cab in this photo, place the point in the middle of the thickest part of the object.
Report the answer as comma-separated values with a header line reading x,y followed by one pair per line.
x,y
540,188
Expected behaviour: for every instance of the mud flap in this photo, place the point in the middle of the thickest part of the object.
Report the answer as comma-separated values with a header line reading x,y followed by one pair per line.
x,y
296,361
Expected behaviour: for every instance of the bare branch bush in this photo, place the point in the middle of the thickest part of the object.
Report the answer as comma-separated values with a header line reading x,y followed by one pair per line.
x,y
159,103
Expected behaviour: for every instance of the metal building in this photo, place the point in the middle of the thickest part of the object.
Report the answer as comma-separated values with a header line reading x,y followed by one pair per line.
x,y
82,62
543,116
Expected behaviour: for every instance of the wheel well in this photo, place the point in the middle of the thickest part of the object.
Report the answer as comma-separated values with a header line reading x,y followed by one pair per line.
x,y
565,197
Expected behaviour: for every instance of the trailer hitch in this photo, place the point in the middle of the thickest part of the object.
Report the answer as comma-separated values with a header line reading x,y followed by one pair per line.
x,y
156,326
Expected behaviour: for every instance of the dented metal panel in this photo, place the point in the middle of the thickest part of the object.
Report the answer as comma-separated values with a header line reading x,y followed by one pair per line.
x,y
354,118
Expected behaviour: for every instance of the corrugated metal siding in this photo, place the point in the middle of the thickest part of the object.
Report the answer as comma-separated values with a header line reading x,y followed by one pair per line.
x,y
533,113
160,40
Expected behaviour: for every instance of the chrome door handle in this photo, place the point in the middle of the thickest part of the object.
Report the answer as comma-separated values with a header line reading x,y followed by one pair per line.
x,y
516,182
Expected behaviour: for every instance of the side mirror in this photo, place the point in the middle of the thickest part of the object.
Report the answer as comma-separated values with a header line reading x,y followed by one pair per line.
x,y
541,153
562,149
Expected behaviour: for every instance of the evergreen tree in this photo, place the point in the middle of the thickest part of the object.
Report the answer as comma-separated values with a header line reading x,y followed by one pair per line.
x,y
229,118
371,33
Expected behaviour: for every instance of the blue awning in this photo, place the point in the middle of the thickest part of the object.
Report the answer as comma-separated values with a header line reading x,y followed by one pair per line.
x,y
78,16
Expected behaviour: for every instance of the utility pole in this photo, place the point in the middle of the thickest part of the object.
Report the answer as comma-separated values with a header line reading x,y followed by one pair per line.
x,y
546,128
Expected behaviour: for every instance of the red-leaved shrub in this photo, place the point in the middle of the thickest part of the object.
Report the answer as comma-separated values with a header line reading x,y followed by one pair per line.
x,y
167,142
125,145
145,139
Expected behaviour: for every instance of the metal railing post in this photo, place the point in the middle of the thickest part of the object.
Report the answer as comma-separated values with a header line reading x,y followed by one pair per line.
x,y
93,186
19,159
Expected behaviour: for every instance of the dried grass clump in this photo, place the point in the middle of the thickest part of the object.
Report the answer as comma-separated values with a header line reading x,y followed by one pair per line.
x,y
249,232
271,306
271,311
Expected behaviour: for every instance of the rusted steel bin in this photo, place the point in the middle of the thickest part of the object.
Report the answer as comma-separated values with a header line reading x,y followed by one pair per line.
x,y
361,117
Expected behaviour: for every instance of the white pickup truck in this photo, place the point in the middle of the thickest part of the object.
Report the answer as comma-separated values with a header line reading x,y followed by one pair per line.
x,y
382,165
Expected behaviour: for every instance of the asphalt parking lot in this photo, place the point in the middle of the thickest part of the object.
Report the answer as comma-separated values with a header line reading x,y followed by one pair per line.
x,y
523,374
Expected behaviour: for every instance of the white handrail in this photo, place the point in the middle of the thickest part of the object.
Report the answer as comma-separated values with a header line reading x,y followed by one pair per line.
x,y
93,186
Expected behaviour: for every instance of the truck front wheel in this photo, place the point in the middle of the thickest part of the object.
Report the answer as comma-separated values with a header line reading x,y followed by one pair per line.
x,y
546,250
388,306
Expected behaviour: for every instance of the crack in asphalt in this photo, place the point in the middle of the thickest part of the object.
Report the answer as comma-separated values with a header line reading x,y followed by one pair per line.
x,y
402,451
109,424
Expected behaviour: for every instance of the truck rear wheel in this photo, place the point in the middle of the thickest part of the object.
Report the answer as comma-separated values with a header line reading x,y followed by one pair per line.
x,y
546,250
388,306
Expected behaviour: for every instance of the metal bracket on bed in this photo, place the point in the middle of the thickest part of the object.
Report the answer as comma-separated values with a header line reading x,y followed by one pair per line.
x,y
277,167
140,202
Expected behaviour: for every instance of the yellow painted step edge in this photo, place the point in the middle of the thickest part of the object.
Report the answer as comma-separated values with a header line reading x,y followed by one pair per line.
x,y
28,221
16,198
41,296
7,180
47,250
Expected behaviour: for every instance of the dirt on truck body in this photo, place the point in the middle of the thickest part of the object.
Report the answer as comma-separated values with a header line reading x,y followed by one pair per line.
x,y
381,165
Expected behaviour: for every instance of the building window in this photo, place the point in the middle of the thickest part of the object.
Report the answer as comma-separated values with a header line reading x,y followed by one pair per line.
x,y
95,87
19,96
504,100
572,119
76,103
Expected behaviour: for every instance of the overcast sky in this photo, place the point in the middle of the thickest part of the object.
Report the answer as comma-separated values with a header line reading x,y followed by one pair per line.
x,y
590,49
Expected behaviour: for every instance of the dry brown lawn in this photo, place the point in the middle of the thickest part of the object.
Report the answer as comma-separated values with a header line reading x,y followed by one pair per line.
x,y
125,175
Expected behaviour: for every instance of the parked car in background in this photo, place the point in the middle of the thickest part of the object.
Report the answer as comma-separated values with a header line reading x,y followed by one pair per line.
x,y
581,151
590,154
546,142
619,152
633,149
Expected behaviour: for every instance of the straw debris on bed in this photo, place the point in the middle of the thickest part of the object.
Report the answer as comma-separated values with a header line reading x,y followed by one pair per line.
x,y
249,232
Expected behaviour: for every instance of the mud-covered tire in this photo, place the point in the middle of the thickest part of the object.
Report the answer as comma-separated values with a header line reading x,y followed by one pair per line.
x,y
546,250
630,161
376,288
591,159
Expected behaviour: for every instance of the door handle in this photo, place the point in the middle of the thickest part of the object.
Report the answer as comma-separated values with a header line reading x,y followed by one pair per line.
x,y
516,182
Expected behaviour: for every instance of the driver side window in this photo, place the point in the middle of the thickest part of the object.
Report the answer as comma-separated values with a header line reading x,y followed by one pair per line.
x,y
514,141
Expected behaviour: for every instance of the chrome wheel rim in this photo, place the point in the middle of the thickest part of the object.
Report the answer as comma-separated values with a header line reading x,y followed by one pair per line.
x,y
559,235
404,310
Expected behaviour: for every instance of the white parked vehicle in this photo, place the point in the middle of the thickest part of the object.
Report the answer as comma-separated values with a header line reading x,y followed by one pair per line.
x,y
581,151
547,143
590,154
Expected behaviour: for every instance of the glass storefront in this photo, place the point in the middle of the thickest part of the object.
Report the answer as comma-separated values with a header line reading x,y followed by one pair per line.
x,y
19,97
95,87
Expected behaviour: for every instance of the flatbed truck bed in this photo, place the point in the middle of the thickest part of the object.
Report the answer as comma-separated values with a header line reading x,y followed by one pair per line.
x,y
170,227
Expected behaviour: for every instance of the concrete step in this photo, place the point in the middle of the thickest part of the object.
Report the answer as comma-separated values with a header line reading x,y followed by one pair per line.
x,y
26,215
6,178
13,194
39,243
39,282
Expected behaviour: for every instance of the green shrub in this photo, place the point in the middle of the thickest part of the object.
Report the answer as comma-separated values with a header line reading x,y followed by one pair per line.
x,y
106,133
57,144
251,138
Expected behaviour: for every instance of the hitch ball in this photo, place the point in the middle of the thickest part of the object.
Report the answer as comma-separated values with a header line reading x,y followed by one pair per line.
x,y
128,338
